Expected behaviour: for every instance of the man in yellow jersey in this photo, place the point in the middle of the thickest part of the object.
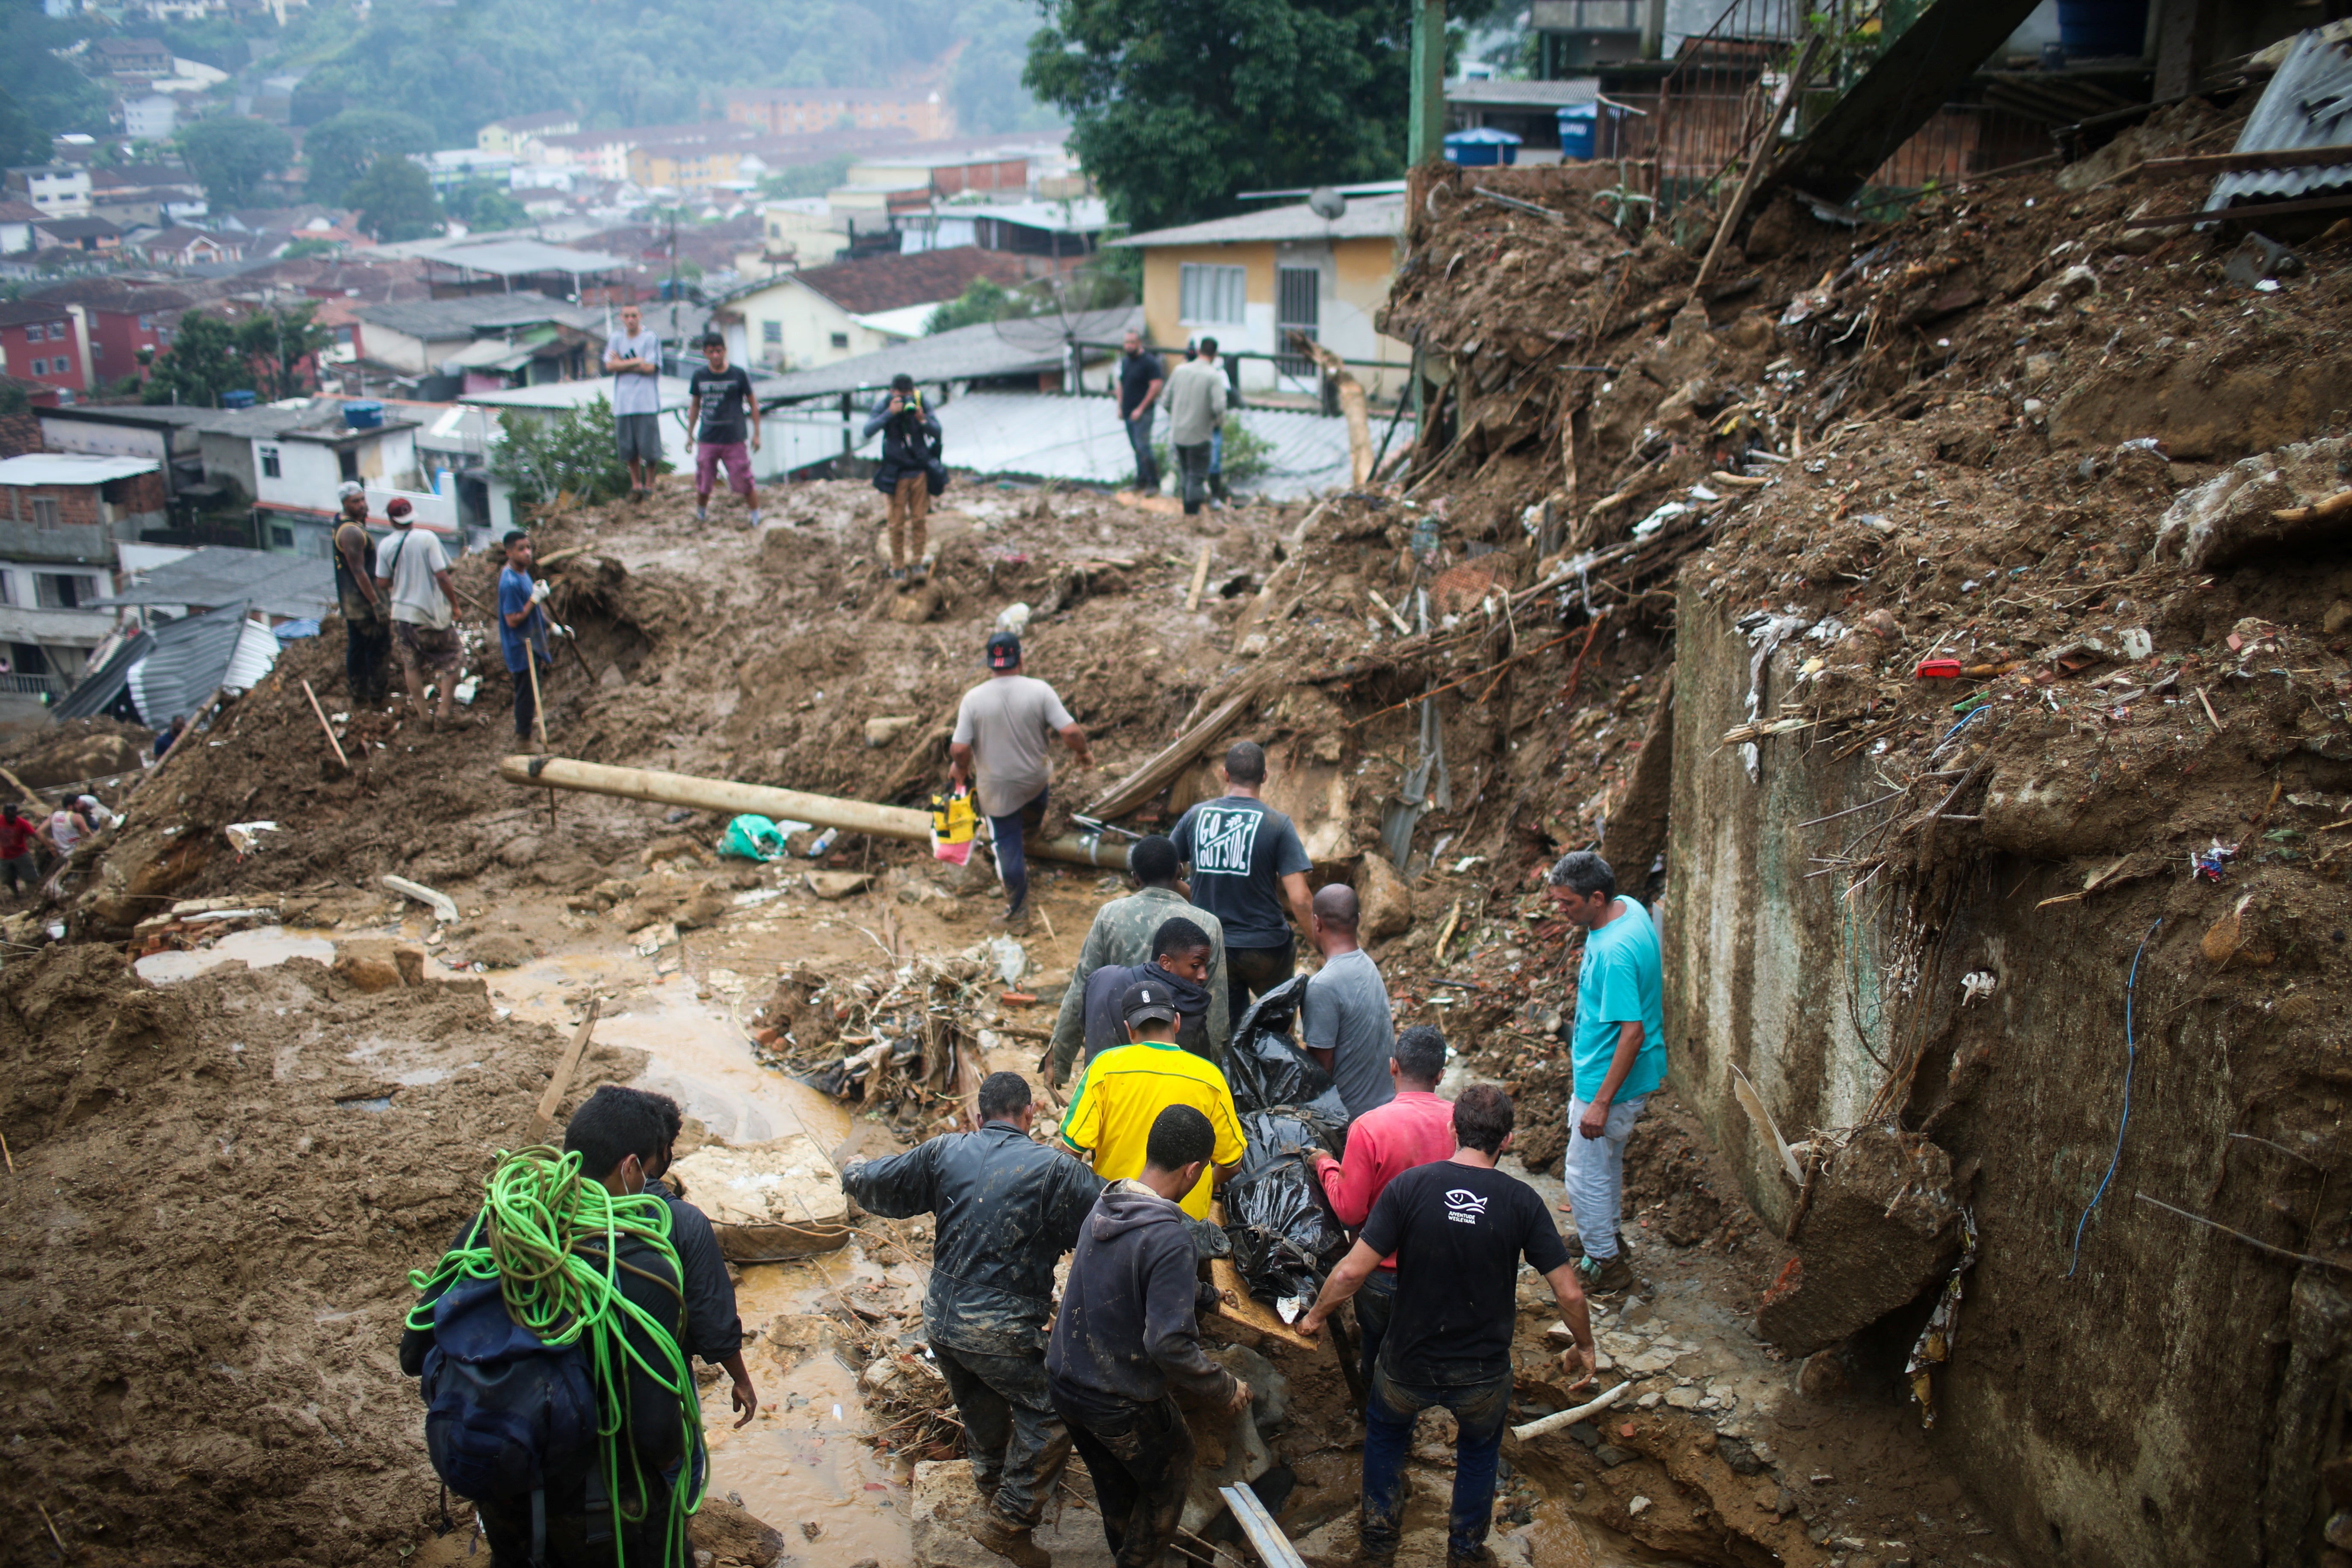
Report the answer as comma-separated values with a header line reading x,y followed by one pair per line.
x,y
1127,1088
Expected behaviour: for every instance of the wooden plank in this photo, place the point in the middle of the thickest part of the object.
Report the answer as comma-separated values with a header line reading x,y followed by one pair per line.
x,y
1760,159
1235,1304
1265,1537
1200,582
2248,162
1160,772
2253,214
542,1121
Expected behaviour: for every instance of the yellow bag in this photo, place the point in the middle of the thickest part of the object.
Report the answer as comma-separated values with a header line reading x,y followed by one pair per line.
x,y
954,821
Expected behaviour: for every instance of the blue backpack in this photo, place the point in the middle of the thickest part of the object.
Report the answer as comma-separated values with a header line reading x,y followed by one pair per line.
x,y
505,1411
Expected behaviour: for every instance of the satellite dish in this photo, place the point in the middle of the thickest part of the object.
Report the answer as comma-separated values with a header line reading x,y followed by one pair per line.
x,y
1326,204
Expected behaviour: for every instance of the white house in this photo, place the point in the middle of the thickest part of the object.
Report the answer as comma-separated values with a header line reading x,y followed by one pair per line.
x,y
822,314
150,117
56,190
292,457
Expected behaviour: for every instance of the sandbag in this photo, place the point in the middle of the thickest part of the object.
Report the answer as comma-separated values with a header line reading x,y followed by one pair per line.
x,y
1264,1068
1285,1238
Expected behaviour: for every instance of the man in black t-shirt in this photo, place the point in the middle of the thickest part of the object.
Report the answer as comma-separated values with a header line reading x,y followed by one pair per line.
x,y
724,406
1457,1228
1247,865
1141,377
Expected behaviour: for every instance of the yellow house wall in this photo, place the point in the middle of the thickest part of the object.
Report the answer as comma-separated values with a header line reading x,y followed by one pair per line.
x,y
1357,273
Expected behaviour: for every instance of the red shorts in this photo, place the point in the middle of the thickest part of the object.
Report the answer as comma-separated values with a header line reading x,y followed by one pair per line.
x,y
709,455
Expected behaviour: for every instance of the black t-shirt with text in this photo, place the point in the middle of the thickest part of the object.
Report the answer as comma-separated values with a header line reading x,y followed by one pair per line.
x,y
1240,849
1136,374
724,394
1458,1233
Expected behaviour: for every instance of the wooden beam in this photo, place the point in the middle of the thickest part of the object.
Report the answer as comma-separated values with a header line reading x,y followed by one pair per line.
x,y
1758,161
2242,213
2249,162
542,1121
1912,80
1160,772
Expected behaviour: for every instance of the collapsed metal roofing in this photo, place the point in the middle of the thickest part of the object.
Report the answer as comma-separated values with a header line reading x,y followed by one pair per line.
x,y
2308,104
290,586
984,350
173,667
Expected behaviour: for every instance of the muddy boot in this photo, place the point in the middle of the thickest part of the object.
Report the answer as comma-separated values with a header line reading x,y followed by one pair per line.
x,y
1010,1541
1015,920
1483,1558
1604,1277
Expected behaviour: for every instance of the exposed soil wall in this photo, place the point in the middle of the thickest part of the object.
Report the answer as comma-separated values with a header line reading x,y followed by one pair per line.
x,y
2163,1404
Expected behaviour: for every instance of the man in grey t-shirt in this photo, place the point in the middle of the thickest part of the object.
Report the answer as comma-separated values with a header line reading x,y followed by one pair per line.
x,y
1346,1025
633,357
1002,733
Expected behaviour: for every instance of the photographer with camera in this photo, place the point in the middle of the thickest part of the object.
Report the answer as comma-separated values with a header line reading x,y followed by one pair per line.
x,y
911,475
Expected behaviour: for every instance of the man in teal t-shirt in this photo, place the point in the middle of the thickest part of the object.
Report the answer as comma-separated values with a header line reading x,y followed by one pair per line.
x,y
1619,1050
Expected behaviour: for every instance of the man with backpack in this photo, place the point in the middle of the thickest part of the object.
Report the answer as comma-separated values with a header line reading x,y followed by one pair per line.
x,y
530,1336
1008,1208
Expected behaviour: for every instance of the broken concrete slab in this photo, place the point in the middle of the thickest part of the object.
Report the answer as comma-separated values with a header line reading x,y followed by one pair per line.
x,y
781,1198
1882,1228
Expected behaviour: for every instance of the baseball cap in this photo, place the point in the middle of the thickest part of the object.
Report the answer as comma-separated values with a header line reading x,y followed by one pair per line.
x,y
1145,1001
1003,650
349,489
398,507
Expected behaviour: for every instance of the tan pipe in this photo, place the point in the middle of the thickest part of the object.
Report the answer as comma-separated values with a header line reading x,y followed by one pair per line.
x,y
784,804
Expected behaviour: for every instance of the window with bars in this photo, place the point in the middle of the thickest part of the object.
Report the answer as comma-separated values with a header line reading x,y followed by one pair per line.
x,y
270,467
1210,295
45,512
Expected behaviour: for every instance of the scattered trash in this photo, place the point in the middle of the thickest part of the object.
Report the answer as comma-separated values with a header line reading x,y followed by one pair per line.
x,y
754,837
2213,863
1012,959
245,837
1976,985
1937,669
1934,1343
445,908
823,842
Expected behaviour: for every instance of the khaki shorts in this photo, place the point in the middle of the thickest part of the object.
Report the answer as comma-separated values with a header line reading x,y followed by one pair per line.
x,y
426,650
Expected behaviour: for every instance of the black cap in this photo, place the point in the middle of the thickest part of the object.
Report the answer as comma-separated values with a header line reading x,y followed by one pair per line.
x,y
1003,651
1145,1001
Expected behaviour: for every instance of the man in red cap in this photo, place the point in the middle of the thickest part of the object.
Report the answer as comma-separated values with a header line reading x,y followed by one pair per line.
x,y
411,568
1001,733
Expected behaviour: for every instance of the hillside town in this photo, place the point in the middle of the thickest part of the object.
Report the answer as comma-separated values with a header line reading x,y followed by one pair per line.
x,y
931,785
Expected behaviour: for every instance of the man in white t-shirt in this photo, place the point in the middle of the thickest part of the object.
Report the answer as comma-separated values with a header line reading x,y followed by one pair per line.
x,y
1001,733
633,356
412,569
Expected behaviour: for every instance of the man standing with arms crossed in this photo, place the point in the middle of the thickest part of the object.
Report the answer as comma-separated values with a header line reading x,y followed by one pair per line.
x,y
1457,1228
1001,733
1618,1051
412,569
723,405
633,359
1140,378
367,632
1247,863
1196,411
1008,1208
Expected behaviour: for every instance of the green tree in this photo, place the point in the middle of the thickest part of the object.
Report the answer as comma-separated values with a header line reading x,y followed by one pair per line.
x,y
232,155
983,299
394,200
542,456
1176,105
274,343
304,249
51,95
203,362
483,206
343,147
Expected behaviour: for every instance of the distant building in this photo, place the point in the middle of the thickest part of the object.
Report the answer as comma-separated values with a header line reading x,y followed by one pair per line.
x,y
1249,282
133,59
91,235
61,515
474,337
58,190
147,195
822,314
178,247
290,461
16,221
121,318
44,342
800,231
508,136
685,165
150,117
780,110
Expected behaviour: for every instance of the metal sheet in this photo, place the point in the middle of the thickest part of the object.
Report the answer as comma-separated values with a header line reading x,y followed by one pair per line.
x,y
2308,104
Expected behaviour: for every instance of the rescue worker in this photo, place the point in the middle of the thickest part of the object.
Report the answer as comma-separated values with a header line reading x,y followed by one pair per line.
x,y
367,610
1006,1209
1125,931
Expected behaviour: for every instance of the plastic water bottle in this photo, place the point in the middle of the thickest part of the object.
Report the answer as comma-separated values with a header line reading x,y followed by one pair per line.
x,y
823,842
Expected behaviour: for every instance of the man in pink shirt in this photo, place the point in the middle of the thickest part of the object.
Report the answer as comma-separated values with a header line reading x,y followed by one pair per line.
x,y
1384,1143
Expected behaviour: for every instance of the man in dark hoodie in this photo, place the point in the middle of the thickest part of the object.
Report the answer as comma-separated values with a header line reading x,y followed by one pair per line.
x,y
1007,1209
1181,955
1127,1345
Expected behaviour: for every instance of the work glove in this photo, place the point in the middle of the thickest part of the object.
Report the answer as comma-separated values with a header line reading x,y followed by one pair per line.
x,y
540,590
561,631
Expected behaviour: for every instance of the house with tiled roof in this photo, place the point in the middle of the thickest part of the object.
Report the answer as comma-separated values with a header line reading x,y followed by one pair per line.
x,y
802,319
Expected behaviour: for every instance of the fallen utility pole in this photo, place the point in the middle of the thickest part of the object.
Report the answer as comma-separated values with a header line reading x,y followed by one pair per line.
x,y
784,804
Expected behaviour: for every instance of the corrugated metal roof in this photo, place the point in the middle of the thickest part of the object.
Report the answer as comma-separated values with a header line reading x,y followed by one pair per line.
x,y
1047,436
1374,217
218,575
70,469
967,353
165,671
193,657
2308,104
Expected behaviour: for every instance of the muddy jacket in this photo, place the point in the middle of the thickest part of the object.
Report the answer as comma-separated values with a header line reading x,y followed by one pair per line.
x,y
1127,1332
1007,1209
1122,934
713,1330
